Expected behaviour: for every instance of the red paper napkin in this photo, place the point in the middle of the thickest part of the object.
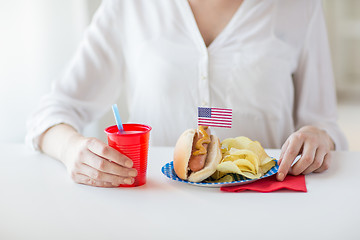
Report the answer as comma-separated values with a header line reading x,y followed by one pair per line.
x,y
270,184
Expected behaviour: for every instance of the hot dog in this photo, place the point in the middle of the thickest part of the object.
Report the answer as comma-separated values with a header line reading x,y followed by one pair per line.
x,y
196,155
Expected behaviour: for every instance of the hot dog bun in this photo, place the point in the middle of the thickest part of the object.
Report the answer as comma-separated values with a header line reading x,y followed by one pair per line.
x,y
182,153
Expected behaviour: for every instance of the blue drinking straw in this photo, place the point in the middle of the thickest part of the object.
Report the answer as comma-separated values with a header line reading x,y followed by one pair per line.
x,y
117,117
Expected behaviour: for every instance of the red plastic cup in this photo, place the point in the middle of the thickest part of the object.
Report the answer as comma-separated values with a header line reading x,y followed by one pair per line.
x,y
133,143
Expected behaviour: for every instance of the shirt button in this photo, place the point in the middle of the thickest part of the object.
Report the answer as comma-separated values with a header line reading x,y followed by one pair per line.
x,y
204,103
203,77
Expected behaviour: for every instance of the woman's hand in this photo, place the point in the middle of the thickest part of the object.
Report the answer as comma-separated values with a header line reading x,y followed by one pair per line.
x,y
88,160
313,144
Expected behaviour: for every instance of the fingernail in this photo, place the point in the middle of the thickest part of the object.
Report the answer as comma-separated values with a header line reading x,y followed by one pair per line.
x,y
128,181
133,173
280,176
129,164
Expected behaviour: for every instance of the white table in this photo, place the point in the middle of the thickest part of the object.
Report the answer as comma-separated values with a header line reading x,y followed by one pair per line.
x,y
39,201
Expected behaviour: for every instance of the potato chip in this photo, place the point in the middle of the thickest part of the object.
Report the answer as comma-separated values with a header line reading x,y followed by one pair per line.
x,y
217,175
244,156
231,167
228,167
226,178
229,158
246,143
222,179
245,166
251,176
265,168
238,143
242,160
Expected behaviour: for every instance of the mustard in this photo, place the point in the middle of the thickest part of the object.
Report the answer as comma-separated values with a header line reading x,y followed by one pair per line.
x,y
204,139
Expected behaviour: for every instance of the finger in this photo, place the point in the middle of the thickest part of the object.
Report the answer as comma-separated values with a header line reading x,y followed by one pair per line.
x,y
318,161
307,158
83,179
105,166
283,150
104,177
290,154
326,163
101,149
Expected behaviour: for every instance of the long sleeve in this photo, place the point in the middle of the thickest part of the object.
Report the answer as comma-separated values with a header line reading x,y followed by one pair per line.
x,y
315,97
90,83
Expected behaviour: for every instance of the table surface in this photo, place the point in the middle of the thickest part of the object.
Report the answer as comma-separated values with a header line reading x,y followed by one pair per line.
x,y
39,201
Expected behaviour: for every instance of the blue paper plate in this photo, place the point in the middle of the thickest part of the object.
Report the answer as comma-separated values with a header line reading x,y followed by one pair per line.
x,y
168,171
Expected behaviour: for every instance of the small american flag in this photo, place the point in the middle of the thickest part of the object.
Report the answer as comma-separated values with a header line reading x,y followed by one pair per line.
x,y
215,117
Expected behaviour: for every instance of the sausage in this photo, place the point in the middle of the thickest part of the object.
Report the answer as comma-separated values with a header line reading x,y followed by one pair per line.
x,y
197,158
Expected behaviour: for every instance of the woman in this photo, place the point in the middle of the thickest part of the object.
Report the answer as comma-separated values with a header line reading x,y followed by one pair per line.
x,y
267,60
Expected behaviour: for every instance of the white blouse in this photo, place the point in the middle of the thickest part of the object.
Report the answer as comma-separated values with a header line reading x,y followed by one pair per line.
x,y
271,65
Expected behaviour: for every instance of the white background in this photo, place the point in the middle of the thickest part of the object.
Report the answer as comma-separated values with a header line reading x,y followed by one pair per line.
x,y
37,39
